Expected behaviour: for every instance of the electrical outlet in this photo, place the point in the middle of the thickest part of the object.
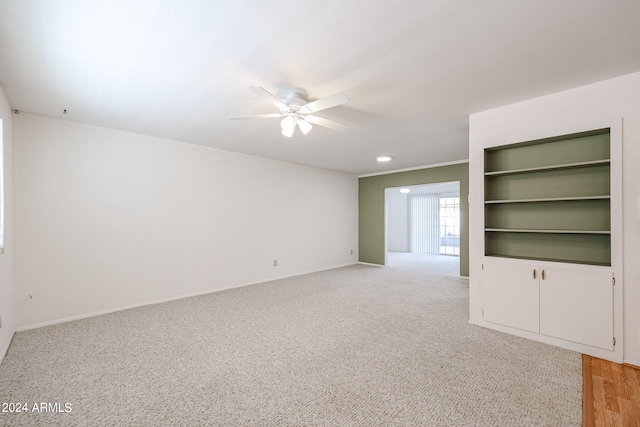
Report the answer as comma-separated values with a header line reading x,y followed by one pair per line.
x,y
275,262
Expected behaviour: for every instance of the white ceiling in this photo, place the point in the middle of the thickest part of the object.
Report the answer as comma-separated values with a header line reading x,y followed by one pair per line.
x,y
438,188
414,70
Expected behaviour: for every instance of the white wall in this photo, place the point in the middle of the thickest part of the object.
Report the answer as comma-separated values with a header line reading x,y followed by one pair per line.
x,y
397,220
607,100
108,219
6,259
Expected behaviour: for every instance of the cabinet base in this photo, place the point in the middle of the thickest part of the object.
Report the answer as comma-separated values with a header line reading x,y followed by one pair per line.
x,y
613,356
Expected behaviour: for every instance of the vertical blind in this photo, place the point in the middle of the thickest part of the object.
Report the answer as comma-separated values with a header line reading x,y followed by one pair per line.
x,y
424,215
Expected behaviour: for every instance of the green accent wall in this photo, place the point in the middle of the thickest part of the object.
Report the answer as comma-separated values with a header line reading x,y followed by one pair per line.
x,y
371,208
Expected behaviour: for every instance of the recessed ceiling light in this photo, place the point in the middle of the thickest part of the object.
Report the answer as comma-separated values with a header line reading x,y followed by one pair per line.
x,y
404,190
383,158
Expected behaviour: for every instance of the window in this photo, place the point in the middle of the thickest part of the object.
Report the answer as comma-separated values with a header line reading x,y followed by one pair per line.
x,y
450,225
435,224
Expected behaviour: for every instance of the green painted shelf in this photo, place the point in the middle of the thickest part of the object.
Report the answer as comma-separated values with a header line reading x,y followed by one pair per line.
x,y
549,168
549,199
530,230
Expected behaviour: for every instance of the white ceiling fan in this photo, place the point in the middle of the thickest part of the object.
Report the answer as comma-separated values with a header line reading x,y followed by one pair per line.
x,y
298,112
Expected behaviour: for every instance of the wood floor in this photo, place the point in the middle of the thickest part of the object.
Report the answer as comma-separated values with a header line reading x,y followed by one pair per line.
x,y
611,394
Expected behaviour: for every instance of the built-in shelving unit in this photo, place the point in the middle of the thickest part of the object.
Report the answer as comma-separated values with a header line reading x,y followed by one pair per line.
x,y
550,199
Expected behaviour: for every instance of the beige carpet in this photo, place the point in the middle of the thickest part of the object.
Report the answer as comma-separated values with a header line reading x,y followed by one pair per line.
x,y
355,346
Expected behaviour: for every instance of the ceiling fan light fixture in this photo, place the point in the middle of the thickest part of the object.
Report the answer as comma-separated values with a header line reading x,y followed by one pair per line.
x,y
288,125
384,158
304,126
297,111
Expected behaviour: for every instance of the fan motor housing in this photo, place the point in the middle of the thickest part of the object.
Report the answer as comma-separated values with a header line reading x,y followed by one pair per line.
x,y
294,99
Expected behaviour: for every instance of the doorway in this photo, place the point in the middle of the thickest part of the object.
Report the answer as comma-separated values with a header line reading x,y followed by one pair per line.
x,y
423,219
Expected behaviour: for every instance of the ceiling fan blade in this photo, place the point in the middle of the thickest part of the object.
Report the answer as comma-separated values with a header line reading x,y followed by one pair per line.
x,y
260,91
324,103
304,126
326,123
257,116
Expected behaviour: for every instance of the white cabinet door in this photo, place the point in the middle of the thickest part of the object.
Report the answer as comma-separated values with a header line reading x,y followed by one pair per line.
x,y
576,304
510,293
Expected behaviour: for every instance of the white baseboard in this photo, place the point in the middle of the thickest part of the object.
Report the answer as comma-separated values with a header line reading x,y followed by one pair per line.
x,y
6,349
626,361
632,362
162,300
373,265
614,355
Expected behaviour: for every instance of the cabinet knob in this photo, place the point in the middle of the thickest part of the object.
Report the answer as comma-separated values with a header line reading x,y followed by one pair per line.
x,y
542,274
535,275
